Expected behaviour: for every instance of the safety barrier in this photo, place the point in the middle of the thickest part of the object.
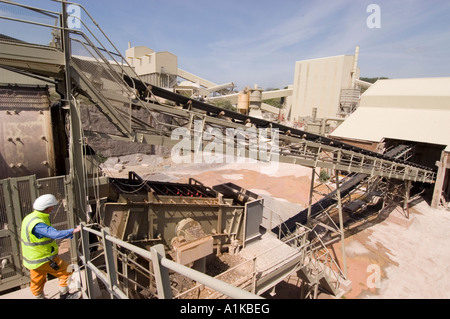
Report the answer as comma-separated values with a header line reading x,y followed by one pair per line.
x,y
160,265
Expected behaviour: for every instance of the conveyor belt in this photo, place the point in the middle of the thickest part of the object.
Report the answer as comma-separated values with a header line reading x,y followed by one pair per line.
x,y
120,85
290,225
259,123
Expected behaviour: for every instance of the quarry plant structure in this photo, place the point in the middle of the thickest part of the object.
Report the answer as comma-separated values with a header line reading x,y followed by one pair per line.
x,y
179,198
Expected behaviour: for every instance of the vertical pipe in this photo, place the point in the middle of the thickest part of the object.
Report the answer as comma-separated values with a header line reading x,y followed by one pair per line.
x,y
77,193
70,185
355,66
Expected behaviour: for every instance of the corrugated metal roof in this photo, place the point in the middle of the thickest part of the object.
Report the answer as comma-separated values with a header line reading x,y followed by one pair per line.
x,y
407,109
410,87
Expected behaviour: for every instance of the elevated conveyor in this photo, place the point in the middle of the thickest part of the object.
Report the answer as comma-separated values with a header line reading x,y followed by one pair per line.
x,y
290,225
103,77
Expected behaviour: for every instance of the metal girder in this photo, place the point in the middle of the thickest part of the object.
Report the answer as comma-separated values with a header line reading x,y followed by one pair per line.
x,y
102,103
39,60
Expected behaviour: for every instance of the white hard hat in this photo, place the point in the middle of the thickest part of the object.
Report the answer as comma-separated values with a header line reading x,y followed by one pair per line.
x,y
45,201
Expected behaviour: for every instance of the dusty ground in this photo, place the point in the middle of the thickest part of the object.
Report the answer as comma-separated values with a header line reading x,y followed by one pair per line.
x,y
412,255
398,257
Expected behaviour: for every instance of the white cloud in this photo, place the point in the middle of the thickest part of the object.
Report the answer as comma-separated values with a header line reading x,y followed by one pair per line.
x,y
263,56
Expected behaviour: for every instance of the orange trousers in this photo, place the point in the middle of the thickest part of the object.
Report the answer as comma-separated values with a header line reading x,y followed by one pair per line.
x,y
39,276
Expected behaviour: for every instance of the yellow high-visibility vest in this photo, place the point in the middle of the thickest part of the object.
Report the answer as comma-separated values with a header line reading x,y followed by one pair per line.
x,y
36,251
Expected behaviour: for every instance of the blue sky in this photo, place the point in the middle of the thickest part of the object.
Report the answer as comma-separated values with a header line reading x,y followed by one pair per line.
x,y
258,42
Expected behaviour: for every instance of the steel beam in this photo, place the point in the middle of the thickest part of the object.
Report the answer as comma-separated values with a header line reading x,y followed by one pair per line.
x,y
39,60
341,223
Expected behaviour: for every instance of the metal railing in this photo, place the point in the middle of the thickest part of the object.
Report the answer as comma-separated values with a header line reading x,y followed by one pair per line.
x,y
160,265
35,24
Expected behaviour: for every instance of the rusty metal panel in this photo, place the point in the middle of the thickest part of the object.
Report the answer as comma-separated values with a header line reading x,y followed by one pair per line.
x,y
26,137
115,216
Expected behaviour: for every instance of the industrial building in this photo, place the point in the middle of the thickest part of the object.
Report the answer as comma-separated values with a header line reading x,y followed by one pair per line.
x,y
325,92
319,83
158,68
415,111
161,69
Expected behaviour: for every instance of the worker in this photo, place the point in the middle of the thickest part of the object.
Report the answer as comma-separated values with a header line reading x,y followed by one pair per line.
x,y
40,250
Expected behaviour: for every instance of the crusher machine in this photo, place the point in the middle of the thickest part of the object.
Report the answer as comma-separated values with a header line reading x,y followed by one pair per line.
x,y
215,230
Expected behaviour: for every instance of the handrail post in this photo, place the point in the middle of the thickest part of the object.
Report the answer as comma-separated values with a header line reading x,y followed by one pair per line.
x,y
161,273
86,259
109,259
341,222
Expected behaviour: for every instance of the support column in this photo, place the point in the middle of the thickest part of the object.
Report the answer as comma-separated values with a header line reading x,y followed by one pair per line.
x,y
76,193
407,196
76,144
440,177
341,223
311,195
